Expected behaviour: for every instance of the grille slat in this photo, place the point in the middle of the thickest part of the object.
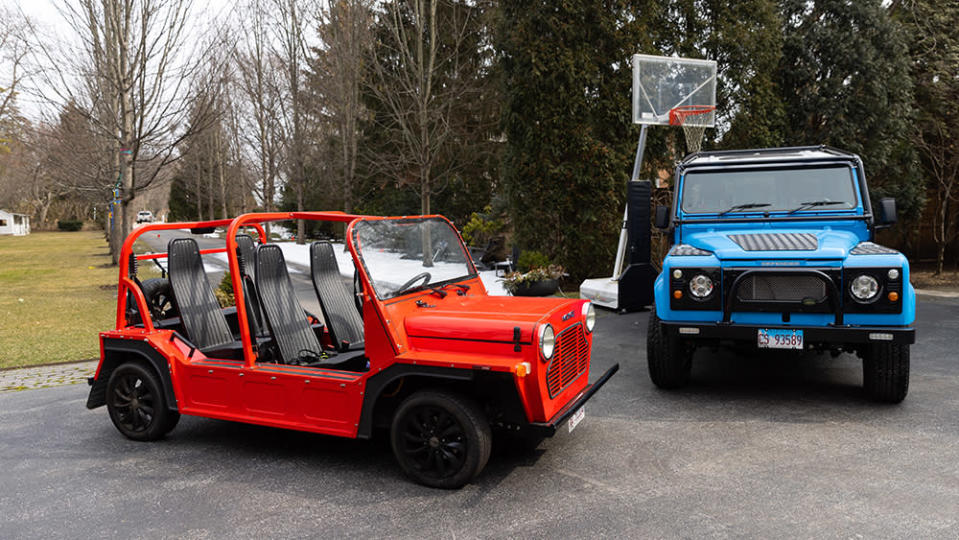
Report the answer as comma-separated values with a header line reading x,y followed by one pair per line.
x,y
570,359
781,289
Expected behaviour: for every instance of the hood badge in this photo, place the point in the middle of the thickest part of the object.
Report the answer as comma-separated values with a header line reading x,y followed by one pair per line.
x,y
569,315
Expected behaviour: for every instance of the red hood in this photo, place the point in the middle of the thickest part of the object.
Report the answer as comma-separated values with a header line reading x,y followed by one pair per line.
x,y
486,318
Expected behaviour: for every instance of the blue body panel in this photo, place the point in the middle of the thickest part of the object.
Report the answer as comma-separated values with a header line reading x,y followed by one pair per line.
x,y
837,233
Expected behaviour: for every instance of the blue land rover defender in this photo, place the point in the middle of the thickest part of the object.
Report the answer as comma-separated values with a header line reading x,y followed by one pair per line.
x,y
774,248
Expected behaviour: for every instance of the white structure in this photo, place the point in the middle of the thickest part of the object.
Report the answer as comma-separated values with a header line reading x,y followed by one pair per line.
x,y
15,224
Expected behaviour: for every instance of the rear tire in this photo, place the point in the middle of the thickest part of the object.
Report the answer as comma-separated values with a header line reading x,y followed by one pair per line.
x,y
669,358
440,439
137,404
885,372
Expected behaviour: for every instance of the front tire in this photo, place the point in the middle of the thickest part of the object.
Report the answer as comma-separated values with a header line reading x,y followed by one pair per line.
x,y
669,358
441,439
885,372
137,405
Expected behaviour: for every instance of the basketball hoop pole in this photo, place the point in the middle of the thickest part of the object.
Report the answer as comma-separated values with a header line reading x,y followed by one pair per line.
x,y
623,236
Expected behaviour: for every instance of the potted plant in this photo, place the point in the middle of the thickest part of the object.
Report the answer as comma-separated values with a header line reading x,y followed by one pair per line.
x,y
536,276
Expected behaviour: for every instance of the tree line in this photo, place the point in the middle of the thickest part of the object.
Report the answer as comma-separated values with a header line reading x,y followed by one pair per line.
x,y
455,106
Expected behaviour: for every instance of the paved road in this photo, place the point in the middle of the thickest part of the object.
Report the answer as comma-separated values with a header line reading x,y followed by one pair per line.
x,y
765,447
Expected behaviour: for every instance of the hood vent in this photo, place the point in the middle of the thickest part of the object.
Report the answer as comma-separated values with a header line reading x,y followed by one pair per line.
x,y
776,241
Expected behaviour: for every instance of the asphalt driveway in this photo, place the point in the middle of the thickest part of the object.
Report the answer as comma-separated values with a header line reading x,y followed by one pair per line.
x,y
766,446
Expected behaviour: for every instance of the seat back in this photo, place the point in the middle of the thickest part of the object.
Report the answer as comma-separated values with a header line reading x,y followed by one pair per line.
x,y
336,300
246,251
284,315
203,321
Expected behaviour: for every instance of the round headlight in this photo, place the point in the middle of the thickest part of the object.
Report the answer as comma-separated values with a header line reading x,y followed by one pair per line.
x,y
677,274
701,286
864,288
589,315
547,341
893,273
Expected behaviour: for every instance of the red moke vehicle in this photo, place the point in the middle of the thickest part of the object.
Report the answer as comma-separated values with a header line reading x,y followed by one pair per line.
x,y
417,346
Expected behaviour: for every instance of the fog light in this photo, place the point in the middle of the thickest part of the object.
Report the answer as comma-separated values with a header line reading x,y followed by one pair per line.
x,y
677,274
677,294
893,273
893,296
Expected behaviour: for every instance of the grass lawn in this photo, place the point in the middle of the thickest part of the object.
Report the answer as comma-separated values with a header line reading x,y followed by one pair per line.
x,y
57,291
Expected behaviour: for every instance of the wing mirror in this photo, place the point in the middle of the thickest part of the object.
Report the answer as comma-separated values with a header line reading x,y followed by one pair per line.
x,y
661,219
887,211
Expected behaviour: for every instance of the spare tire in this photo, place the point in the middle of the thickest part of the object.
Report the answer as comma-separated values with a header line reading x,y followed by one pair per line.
x,y
156,291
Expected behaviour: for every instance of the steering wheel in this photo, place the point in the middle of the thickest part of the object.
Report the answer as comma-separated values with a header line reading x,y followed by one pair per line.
x,y
425,276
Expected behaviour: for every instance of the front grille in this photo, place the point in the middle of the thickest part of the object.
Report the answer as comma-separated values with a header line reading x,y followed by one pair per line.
x,y
570,359
758,288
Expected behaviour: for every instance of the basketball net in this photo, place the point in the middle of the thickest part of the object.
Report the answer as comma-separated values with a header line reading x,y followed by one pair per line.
x,y
693,119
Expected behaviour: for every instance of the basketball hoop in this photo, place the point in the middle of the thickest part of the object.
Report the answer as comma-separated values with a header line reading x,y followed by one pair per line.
x,y
694,119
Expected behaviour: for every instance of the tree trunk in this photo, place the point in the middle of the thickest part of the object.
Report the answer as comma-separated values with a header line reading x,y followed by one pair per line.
x,y
425,210
219,166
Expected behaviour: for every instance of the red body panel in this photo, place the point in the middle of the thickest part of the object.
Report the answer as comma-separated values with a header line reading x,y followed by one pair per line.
x,y
469,331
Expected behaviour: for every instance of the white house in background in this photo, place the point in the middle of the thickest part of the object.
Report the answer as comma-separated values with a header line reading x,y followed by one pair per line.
x,y
15,224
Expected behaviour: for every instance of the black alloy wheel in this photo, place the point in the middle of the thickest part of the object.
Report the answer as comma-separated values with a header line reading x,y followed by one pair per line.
x,y
137,405
441,439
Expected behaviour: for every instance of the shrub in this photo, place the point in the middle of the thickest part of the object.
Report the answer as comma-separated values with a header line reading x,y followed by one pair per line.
x,y
69,224
529,260
224,291
481,228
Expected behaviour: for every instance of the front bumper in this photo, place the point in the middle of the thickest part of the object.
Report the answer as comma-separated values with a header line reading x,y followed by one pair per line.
x,y
833,334
548,429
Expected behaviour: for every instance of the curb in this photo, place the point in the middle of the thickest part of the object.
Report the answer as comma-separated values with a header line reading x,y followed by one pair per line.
x,y
937,293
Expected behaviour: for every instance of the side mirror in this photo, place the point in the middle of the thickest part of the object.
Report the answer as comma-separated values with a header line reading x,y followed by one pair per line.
x,y
661,219
887,211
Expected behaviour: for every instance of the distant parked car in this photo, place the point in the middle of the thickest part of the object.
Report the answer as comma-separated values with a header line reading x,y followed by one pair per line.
x,y
144,216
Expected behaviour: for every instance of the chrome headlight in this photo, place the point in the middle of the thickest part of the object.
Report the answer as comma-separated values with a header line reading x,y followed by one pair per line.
x,y
547,341
589,315
864,288
701,286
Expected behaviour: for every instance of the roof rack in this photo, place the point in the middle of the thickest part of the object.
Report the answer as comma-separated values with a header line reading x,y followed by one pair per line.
x,y
753,151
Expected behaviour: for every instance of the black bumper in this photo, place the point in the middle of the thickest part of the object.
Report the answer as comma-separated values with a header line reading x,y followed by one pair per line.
x,y
548,429
839,335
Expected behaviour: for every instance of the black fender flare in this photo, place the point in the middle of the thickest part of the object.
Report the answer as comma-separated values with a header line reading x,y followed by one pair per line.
x,y
375,385
119,351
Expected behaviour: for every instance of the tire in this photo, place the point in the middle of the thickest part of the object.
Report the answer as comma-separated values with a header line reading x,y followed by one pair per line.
x,y
669,358
885,372
137,405
440,439
159,298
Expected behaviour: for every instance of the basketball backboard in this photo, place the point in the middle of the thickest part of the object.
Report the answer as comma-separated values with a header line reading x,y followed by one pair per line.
x,y
685,86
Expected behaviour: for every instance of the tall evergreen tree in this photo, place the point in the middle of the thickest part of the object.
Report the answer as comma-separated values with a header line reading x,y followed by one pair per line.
x,y
567,123
845,80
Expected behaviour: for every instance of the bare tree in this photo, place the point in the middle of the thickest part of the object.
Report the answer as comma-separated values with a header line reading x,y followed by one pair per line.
x,y
420,78
261,89
13,53
291,24
133,58
338,72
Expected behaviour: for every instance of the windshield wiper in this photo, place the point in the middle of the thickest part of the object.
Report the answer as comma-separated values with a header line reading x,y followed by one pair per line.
x,y
743,207
813,204
461,286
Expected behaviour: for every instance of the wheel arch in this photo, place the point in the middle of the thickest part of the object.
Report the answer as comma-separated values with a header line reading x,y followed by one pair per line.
x,y
119,351
385,390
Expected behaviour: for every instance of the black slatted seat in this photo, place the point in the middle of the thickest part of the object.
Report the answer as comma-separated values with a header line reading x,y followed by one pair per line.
x,y
246,251
294,338
203,322
336,300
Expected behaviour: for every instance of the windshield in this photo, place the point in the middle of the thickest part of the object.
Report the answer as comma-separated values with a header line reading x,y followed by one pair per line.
x,y
769,190
403,255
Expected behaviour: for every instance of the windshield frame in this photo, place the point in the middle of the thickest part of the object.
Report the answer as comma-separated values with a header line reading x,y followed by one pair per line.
x,y
356,250
858,209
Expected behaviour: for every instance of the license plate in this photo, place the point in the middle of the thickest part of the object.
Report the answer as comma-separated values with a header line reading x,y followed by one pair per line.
x,y
777,338
577,418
